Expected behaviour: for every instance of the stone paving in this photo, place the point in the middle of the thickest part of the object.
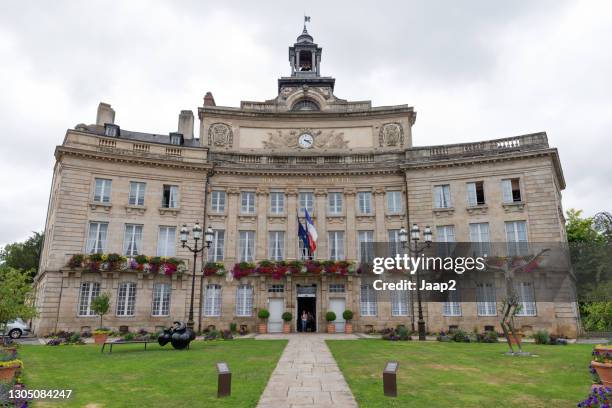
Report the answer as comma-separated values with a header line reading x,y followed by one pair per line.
x,y
307,374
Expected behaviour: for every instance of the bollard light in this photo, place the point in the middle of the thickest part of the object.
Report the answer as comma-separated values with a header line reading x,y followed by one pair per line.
x,y
390,379
224,384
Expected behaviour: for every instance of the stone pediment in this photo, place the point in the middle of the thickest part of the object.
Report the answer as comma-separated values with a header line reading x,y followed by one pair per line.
x,y
288,139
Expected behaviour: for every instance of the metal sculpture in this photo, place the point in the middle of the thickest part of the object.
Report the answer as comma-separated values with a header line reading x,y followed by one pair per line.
x,y
179,335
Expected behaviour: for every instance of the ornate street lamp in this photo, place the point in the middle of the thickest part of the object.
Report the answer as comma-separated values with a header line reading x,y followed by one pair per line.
x,y
197,235
415,236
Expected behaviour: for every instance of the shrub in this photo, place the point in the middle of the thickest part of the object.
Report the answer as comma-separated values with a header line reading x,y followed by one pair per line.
x,y
128,337
541,337
489,337
330,316
233,327
211,335
227,335
402,332
287,316
347,315
460,336
263,314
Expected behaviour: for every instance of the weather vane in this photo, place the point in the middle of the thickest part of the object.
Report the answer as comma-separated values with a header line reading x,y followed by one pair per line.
x,y
306,20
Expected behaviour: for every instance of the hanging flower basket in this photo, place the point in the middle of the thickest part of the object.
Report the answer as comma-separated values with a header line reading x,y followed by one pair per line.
x,y
313,266
243,269
296,267
117,262
214,268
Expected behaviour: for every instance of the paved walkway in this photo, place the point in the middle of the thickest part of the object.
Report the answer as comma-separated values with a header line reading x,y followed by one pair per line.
x,y
307,375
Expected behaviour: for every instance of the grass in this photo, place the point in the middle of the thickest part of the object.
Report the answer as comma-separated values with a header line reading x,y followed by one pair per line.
x,y
158,377
436,374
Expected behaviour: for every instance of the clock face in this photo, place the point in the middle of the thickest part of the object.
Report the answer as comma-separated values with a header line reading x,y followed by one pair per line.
x,y
306,140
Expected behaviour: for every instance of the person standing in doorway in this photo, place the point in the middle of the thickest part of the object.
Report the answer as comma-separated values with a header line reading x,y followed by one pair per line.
x,y
311,326
304,321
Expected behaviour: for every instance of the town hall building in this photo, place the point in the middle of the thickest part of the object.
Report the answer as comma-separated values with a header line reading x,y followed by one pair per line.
x,y
119,199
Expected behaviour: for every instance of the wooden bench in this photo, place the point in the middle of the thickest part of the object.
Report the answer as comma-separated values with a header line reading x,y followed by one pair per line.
x,y
145,342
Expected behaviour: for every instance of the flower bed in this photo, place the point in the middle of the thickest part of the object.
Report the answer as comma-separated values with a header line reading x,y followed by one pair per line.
x,y
283,268
116,262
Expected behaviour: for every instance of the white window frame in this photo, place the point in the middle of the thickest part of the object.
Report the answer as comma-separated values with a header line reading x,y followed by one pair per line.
x,y
137,193
394,202
368,304
276,247
217,201
486,304
160,305
87,293
102,190
400,303
365,253
217,247
166,241
244,300
364,202
126,299
516,241
212,300
395,245
442,196
335,203
506,187
306,201
526,295
277,203
246,246
97,244
337,288
336,245
132,240
247,202
452,307
173,196
472,194
480,238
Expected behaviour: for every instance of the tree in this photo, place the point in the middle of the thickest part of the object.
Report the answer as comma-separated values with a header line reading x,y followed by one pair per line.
x,y
581,229
23,256
101,305
15,295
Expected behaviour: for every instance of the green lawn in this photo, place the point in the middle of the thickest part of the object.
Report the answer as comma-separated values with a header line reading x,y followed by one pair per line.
x,y
159,377
436,374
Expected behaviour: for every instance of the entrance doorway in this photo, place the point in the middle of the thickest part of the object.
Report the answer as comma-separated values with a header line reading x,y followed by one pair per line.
x,y
338,305
275,321
307,302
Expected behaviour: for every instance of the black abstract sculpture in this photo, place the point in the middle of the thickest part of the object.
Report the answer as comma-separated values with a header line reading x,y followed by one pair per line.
x,y
179,335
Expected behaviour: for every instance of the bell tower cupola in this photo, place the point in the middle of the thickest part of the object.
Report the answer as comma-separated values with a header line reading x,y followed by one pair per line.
x,y
305,55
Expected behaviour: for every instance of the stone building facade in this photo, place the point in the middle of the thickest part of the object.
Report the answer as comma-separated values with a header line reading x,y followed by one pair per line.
x,y
249,176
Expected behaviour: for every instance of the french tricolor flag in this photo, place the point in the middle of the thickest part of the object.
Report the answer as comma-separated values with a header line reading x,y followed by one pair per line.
x,y
312,232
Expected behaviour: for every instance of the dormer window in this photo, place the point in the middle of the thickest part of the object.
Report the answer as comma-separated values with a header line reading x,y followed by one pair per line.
x,y
305,105
176,139
111,130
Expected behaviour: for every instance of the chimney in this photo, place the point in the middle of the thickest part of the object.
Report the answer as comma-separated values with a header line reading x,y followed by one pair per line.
x,y
185,124
106,114
209,100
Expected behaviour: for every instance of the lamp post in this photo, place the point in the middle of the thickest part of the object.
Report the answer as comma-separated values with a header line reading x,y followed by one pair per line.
x,y
415,236
197,235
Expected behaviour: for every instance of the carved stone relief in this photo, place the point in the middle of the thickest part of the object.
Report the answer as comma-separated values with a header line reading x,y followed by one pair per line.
x,y
391,135
329,139
220,134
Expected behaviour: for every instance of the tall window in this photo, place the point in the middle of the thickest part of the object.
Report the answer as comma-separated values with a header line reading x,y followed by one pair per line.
x,y
526,296
212,301
276,250
306,202
170,197
137,193
161,299
336,245
475,193
452,307
89,291
395,246
365,246
399,303
367,301
126,299
246,246
244,300
96,240
102,193
485,299
132,240
364,200
335,203
217,201
442,196
166,241
217,247
277,203
445,238
479,237
304,251
511,190
516,236
247,202
394,202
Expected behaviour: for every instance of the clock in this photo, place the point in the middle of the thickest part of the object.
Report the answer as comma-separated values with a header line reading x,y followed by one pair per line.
x,y
306,141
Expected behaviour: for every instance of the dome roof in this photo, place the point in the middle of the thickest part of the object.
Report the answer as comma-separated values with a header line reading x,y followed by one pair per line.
x,y
304,37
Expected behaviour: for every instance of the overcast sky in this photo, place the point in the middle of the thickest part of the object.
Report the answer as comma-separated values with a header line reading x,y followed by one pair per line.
x,y
473,70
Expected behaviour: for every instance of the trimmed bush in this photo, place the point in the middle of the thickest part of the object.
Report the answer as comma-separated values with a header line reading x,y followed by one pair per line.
x,y
233,327
489,337
541,337
263,314
347,315
330,316
287,316
460,337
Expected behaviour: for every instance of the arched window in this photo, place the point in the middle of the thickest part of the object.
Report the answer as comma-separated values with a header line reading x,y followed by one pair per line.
x,y
305,105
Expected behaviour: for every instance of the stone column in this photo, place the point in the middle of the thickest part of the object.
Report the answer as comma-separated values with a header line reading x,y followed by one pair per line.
x,y
261,236
232,225
379,208
321,224
351,230
291,233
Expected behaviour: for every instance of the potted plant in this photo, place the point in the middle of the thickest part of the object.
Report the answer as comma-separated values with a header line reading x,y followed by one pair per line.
x,y
287,317
263,326
100,306
9,366
348,316
331,326
602,363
